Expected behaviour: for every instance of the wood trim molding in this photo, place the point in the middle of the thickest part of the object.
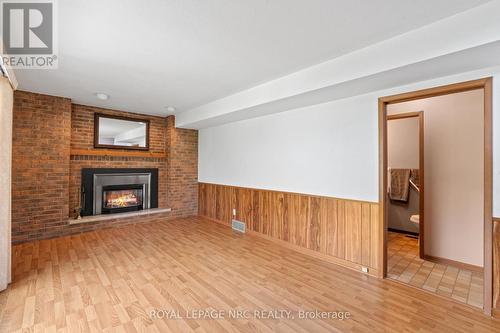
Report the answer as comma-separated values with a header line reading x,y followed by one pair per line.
x,y
436,91
382,139
458,264
92,152
486,84
488,195
404,115
496,264
421,197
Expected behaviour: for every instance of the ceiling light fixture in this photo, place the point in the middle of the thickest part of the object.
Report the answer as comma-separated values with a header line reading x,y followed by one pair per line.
x,y
170,108
102,96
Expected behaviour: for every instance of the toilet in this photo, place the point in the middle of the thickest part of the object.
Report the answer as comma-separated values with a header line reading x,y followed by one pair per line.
x,y
415,219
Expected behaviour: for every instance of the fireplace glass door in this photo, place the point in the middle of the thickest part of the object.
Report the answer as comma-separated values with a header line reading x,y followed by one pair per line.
x,y
122,198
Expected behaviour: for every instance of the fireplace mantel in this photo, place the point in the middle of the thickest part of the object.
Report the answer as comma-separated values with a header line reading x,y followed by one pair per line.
x,y
103,152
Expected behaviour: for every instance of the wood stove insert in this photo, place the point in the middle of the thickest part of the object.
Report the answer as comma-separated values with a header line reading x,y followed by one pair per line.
x,y
109,191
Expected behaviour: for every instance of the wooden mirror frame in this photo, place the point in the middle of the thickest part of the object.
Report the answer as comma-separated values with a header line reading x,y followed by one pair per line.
x,y
98,116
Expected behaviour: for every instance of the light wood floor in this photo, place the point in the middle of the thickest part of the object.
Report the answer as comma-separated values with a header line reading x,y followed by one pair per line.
x,y
405,265
109,280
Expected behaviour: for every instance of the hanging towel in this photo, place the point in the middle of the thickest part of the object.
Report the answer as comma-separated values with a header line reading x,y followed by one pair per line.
x,y
399,184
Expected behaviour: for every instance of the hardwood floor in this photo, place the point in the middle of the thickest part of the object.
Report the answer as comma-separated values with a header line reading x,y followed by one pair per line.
x,y
405,265
110,280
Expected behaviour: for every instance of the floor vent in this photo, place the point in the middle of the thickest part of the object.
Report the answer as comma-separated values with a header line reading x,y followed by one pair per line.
x,y
238,226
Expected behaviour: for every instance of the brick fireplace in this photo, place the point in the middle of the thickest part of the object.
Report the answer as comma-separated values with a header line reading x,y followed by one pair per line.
x,y
53,143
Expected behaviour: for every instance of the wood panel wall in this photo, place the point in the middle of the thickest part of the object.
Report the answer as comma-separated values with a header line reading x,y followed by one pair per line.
x,y
342,231
496,264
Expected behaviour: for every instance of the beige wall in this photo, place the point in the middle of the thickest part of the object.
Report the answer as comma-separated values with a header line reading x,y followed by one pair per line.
x,y
6,100
454,174
402,143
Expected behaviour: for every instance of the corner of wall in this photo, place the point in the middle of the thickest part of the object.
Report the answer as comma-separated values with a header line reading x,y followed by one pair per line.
x,y
182,169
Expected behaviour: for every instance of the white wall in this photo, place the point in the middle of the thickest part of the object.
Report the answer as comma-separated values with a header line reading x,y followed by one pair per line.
x,y
454,174
329,149
6,101
326,150
403,143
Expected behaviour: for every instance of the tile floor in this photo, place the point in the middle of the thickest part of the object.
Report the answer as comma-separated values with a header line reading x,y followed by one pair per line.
x,y
404,265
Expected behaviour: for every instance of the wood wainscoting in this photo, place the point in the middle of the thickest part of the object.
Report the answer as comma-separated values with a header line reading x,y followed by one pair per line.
x,y
496,266
342,231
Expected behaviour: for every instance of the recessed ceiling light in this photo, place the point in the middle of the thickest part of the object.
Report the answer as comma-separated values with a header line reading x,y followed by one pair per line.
x,y
102,96
170,108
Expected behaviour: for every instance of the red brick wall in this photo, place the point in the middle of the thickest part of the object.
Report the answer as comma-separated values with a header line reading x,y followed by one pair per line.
x,y
82,137
46,128
182,170
40,159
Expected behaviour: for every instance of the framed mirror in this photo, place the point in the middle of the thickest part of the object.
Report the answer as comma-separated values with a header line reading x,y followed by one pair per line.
x,y
120,132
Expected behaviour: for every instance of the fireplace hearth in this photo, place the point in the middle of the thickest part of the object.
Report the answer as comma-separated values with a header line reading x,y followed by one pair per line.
x,y
110,191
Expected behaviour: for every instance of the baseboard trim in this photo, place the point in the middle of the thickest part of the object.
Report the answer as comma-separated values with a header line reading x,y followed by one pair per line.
x,y
444,261
311,253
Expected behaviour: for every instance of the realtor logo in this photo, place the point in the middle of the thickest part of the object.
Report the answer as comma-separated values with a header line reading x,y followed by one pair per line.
x,y
28,33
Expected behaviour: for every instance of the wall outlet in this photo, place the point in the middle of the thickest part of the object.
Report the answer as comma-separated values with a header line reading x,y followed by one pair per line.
x,y
234,211
238,226
364,269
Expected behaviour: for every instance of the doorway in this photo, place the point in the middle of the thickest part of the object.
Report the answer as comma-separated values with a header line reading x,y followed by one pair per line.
x,y
485,227
406,158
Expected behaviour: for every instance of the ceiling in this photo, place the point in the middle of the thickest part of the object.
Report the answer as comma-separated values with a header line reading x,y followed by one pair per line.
x,y
185,53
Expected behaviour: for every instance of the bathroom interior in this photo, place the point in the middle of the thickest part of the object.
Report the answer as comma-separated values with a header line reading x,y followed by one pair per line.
x,y
435,160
